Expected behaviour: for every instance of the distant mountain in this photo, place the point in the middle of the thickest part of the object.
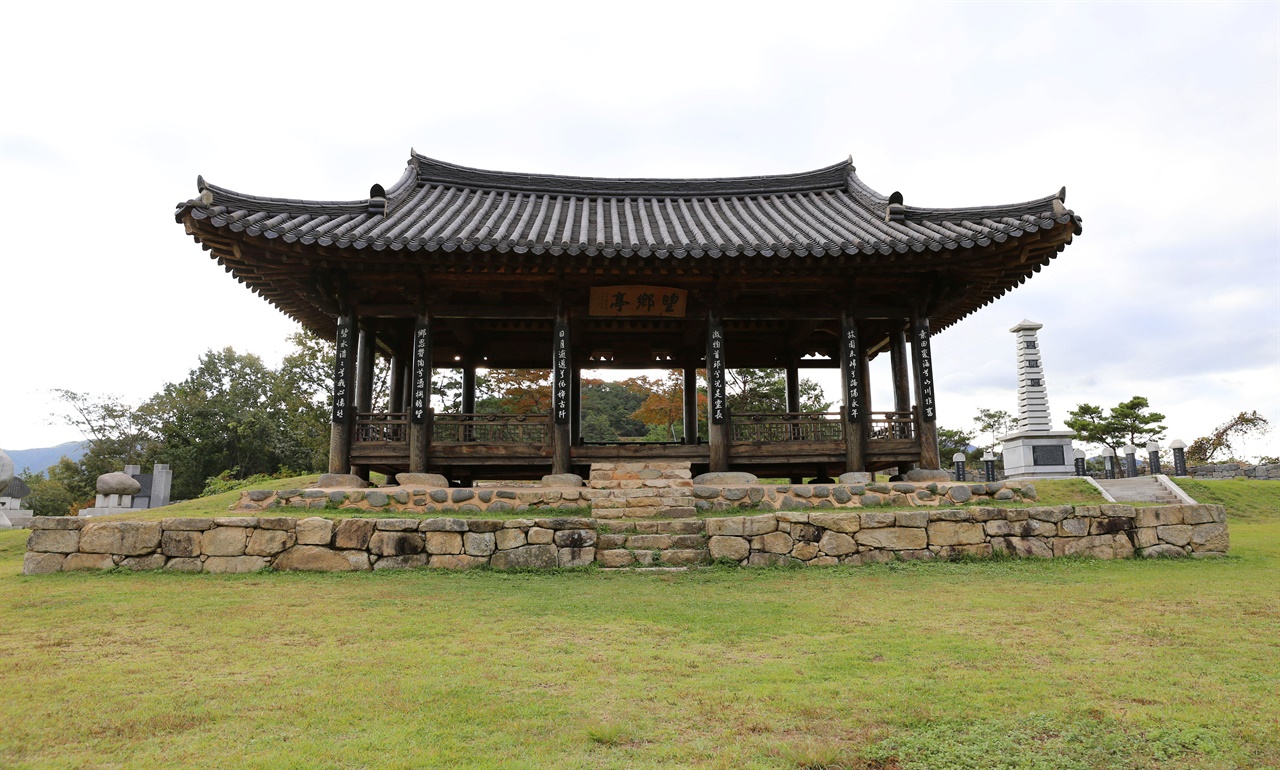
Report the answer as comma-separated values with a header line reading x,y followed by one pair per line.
x,y
38,459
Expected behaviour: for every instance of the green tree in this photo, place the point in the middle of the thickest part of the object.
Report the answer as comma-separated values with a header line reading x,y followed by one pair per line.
x,y
765,390
47,498
614,403
1204,449
1126,423
995,423
951,441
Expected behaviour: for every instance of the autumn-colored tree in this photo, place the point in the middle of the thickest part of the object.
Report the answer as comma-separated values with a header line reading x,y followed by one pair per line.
x,y
665,404
1204,449
518,391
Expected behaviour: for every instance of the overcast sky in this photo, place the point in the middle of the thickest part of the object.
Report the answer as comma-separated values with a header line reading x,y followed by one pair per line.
x,y
1161,119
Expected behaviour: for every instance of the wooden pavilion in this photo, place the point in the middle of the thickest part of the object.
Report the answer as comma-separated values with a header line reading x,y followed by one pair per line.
x,y
455,267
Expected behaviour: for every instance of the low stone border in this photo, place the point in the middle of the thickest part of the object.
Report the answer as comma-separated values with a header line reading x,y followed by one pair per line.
x,y
250,543
1268,472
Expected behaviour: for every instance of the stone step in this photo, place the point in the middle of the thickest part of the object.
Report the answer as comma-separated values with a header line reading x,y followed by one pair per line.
x,y
1143,489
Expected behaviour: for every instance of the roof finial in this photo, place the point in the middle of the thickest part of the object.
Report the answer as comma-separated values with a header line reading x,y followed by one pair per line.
x,y
895,212
377,200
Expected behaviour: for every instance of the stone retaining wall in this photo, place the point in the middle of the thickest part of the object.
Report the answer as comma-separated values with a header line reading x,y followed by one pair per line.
x,y
1269,472
250,543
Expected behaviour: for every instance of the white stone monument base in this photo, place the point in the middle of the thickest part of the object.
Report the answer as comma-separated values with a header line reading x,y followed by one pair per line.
x,y
1020,454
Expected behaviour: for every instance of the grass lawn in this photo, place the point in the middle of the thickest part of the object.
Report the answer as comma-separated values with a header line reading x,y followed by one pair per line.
x,y
999,664
1050,492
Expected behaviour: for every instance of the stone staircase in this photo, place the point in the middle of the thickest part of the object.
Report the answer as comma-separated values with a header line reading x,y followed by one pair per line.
x,y
1140,489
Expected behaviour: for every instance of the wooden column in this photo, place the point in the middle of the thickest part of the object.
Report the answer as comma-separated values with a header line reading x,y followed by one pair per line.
x,y
793,386
395,398
364,385
561,395
901,372
718,417
575,405
468,385
690,398
853,375
343,391
926,407
419,402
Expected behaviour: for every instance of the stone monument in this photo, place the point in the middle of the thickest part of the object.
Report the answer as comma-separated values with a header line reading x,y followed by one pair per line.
x,y
1035,450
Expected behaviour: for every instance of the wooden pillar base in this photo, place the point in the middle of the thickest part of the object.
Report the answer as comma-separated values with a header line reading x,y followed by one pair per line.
x,y
718,438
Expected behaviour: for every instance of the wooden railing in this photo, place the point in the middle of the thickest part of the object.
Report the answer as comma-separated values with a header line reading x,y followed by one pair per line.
x,y
490,429
788,426
893,425
381,426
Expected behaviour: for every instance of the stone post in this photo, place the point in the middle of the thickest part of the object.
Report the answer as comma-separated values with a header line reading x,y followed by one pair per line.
x,y
989,465
1179,457
958,458
1079,458
1130,460
1153,457
1109,462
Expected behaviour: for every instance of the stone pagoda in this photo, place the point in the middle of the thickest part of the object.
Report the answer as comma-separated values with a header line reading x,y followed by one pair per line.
x,y
1035,450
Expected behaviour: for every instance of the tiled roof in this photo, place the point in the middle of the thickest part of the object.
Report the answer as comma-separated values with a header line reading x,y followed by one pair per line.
x,y
438,206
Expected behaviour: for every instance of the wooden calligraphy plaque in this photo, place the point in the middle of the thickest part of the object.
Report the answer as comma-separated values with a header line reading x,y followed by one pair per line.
x,y
651,301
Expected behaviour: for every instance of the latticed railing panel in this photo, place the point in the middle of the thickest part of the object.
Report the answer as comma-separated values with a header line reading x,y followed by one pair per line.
x,y
490,429
390,427
793,426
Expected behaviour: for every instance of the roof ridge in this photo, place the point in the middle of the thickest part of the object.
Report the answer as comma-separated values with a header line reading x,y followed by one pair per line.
x,y
433,171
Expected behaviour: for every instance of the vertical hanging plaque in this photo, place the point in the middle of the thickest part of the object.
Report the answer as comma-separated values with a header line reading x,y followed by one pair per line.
x,y
344,341
717,405
851,358
421,393
561,372
924,368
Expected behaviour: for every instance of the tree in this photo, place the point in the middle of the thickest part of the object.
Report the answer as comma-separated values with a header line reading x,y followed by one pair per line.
x,y
608,408
1243,425
1125,423
765,390
517,391
1132,421
664,406
996,423
951,441
47,498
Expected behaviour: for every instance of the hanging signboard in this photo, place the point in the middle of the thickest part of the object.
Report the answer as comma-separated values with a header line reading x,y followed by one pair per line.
x,y
561,373
649,301
421,372
343,388
717,405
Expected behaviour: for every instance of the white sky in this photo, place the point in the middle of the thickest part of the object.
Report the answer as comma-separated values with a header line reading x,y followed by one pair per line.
x,y
1161,120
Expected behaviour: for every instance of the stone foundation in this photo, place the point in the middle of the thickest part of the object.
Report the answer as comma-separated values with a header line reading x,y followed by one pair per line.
x,y
814,537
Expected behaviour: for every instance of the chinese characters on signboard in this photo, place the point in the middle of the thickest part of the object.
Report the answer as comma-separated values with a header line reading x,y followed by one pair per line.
x,y
560,379
421,394
344,342
852,358
652,301
924,365
717,406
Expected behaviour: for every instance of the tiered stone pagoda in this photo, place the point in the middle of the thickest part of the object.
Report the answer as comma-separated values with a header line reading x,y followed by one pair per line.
x,y
465,268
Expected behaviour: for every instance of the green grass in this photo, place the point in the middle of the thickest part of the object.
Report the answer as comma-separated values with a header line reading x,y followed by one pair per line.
x,y
1069,663
1246,500
1053,492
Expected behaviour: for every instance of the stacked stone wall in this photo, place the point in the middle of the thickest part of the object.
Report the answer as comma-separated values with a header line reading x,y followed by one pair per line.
x,y
235,544
1266,472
